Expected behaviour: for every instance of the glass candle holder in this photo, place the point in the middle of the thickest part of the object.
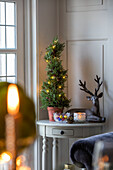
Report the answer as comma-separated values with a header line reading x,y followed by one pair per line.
x,y
80,117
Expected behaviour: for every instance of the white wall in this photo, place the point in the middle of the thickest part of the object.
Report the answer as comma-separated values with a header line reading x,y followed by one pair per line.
x,y
47,31
87,29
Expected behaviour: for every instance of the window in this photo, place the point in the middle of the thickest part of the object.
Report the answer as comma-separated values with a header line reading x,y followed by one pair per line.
x,y
8,41
11,47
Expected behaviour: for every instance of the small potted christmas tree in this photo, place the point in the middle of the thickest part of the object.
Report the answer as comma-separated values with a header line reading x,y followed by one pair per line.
x,y
52,95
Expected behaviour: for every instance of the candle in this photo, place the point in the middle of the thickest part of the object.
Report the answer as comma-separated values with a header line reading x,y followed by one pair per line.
x,y
13,109
23,168
20,161
13,100
80,117
5,161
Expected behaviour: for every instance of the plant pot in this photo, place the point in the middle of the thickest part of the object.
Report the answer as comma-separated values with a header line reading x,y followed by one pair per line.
x,y
52,110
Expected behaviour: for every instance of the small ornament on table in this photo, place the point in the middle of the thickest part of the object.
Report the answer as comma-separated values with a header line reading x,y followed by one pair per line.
x,y
80,117
69,118
58,117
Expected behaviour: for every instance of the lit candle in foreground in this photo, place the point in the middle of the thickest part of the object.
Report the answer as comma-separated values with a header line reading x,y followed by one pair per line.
x,y
20,161
23,168
5,161
80,117
13,100
13,110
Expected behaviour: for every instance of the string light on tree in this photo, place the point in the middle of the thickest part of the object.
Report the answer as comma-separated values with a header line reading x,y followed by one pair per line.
x,y
47,91
64,77
55,41
53,77
59,87
49,82
59,95
53,46
47,61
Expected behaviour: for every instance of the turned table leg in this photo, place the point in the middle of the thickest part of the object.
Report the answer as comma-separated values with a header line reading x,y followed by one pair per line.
x,y
44,154
55,154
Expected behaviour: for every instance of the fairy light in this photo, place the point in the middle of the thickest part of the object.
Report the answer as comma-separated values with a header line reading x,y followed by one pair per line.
x,y
64,77
47,91
47,61
52,77
55,41
59,95
53,46
59,87
49,82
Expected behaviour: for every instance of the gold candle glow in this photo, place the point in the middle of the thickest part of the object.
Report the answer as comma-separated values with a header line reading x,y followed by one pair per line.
x,y
5,161
20,161
23,168
13,110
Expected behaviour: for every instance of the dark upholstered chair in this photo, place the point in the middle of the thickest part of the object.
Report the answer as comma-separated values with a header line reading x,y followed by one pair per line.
x,y
82,150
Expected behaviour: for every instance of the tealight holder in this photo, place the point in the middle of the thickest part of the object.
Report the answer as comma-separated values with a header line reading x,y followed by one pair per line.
x,y
79,117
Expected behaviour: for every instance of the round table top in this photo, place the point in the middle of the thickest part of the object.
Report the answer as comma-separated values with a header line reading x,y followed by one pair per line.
x,y
84,124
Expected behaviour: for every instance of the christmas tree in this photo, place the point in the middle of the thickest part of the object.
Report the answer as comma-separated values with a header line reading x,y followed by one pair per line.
x,y
52,93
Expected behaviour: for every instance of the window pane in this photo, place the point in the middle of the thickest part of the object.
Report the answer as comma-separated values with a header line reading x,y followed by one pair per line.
x,y
2,64
2,37
2,13
11,65
2,79
11,79
9,13
10,37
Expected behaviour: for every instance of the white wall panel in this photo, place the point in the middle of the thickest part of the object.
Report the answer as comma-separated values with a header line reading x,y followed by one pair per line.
x,y
85,5
85,60
85,25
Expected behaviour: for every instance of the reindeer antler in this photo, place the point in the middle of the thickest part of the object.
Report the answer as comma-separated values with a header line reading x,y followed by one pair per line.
x,y
97,79
84,88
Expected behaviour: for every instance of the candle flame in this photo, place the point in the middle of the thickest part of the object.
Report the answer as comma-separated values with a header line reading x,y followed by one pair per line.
x,y
20,160
13,99
5,157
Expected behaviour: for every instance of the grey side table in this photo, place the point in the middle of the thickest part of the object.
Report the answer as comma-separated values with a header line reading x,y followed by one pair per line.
x,y
58,130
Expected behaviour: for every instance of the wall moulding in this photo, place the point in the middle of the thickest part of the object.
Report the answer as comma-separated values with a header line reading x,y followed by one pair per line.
x,y
85,5
84,60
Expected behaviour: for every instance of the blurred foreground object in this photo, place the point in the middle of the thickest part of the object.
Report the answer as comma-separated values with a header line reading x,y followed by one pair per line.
x,y
23,111
11,120
103,156
5,161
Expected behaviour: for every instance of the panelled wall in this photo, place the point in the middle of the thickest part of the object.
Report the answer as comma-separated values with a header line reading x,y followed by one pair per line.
x,y
86,27
85,32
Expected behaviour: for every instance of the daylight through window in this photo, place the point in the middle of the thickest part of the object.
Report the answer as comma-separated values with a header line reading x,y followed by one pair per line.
x,y
8,50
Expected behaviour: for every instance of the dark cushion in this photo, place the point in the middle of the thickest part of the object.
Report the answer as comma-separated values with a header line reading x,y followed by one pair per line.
x,y
82,150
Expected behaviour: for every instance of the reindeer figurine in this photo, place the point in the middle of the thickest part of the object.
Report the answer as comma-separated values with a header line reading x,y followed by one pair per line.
x,y
93,114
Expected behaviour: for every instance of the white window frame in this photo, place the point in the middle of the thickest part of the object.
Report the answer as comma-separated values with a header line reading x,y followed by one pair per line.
x,y
19,50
